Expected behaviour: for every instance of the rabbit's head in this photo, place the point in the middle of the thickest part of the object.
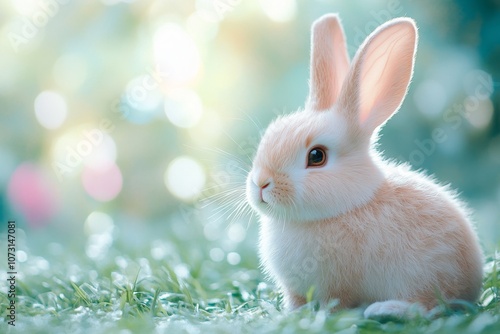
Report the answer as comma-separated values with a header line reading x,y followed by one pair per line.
x,y
319,162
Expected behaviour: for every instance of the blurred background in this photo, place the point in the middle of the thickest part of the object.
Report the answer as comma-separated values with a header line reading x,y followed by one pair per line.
x,y
128,125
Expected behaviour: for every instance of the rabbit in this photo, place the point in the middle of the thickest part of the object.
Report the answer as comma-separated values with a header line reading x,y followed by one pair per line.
x,y
336,220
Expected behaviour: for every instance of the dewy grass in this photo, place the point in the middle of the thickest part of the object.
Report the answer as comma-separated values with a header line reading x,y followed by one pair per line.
x,y
121,294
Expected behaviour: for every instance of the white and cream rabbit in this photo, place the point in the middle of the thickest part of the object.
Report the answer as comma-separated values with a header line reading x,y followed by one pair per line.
x,y
334,215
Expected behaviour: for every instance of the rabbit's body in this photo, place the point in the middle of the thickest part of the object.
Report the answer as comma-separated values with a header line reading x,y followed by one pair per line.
x,y
335,216
407,243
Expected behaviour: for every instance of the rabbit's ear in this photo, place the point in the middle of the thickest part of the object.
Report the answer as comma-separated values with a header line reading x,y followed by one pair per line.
x,y
329,62
380,74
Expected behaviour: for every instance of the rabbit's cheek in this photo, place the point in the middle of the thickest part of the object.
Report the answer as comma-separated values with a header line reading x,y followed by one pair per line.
x,y
283,191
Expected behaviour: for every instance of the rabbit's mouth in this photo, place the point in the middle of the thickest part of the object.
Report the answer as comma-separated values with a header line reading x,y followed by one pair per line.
x,y
261,201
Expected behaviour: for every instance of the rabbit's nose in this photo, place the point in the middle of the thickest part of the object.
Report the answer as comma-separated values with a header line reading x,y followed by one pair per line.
x,y
262,178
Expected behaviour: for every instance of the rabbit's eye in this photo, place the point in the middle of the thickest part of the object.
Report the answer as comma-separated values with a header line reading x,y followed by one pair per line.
x,y
317,157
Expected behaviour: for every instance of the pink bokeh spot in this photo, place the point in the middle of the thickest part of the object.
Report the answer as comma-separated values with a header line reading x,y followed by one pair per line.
x,y
103,184
30,193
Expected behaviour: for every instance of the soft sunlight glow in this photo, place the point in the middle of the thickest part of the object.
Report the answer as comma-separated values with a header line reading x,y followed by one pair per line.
x,y
183,108
26,7
201,29
185,178
175,53
50,109
102,184
279,10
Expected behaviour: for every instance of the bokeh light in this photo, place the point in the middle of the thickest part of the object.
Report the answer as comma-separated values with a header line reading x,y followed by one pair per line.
x,y
279,10
103,155
98,245
478,82
183,108
32,195
480,112
160,249
99,228
153,203
185,178
236,232
22,256
102,184
201,80
143,99
217,254
181,270
98,223
430,98
26,7
66,159
87,145
233,258
50,109
176,55
37,265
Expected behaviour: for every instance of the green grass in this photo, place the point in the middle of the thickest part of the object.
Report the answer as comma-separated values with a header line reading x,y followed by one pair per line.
x,y
137,294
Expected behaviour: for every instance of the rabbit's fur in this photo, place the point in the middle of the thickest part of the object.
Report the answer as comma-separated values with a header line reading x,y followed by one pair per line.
x,y
358,229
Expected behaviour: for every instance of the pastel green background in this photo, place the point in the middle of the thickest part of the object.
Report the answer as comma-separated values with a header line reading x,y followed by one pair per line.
x,y
202,79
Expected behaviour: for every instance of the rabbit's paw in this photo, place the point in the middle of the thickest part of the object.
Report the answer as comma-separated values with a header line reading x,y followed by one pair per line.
x,y
392,309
